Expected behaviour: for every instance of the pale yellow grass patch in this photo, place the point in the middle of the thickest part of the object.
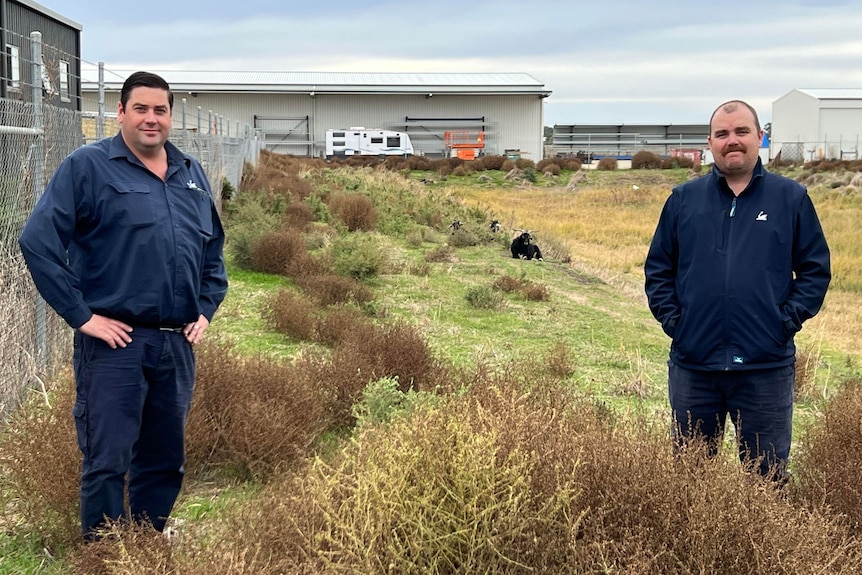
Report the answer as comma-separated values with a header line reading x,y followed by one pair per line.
x,y
607,231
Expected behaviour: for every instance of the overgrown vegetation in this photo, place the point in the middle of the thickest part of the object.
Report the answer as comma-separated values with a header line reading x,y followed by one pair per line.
x,y
444,408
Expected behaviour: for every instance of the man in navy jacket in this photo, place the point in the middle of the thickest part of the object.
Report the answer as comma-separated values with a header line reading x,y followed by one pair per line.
x,y
738,262
126,245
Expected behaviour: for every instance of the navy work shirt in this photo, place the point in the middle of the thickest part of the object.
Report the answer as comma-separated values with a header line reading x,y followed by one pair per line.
x,y
109,237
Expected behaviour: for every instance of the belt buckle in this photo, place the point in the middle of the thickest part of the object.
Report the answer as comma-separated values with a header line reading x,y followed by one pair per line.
x,y
171,329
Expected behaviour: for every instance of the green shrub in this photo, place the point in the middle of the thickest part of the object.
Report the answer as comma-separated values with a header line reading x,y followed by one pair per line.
x,y
381,399
374,352
357,255
418,234
482,297
228,191
464,237
249,217
318,207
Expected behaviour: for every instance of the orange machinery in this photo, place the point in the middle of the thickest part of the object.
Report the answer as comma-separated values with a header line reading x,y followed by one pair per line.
x,y
464,144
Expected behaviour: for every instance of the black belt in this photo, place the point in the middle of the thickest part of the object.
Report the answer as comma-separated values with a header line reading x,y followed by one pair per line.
x,y
171,328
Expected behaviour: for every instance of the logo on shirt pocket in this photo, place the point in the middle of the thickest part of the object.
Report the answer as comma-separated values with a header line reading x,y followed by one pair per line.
x,y
132,204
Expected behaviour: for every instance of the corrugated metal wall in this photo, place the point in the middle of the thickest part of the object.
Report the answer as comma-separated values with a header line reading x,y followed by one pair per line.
x,y
297,123
59,42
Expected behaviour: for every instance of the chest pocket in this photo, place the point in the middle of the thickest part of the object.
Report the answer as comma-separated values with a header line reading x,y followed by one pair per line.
x,y
132,204
205,213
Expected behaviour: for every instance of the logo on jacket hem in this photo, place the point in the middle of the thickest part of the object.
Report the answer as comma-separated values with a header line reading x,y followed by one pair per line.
x,y
761,217
738,359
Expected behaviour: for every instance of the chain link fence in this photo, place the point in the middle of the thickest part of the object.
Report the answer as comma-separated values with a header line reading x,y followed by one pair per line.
x,y
35,136
799,152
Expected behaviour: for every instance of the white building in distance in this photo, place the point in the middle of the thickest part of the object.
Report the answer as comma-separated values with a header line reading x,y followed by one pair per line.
x,y
817,124
293,110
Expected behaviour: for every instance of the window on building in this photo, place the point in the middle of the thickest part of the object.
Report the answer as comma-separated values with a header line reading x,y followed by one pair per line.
x,y
64,82
337,134
13,66
47,84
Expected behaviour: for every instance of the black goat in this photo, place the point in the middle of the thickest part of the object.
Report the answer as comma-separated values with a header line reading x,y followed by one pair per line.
x,y
455,225
495,226
524,248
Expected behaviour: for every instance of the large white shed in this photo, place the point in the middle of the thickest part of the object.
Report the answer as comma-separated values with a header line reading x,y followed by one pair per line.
x,y
817,124
293,110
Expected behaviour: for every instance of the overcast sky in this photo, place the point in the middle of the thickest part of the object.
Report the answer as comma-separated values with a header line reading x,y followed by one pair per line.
x,y
606,61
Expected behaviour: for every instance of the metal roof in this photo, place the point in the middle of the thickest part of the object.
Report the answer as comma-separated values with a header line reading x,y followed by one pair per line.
x,y
834,93
50,13
335,82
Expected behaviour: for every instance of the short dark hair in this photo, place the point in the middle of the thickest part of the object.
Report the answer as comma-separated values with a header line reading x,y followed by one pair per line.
x,y
147,80
731,106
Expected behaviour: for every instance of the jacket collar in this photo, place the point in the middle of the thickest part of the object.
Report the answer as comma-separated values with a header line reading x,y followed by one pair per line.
x,y
756,175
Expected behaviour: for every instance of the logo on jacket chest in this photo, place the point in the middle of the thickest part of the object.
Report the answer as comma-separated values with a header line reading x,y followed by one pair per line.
x,y
761,217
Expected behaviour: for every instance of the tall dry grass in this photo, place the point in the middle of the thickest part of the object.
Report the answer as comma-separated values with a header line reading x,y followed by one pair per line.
x,y
39,467
606,228
518,476
507,471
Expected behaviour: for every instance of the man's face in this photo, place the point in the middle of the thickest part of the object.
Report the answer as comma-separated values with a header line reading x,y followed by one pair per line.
x,y
145,120
734,141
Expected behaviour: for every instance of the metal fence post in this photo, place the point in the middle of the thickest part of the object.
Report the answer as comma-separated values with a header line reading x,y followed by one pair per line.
x,y
38,181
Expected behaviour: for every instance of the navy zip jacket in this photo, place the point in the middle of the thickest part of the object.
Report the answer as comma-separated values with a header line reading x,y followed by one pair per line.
x,y
732,279
109,237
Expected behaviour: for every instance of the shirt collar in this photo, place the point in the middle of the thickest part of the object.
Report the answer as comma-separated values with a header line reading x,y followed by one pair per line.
x,y
119,149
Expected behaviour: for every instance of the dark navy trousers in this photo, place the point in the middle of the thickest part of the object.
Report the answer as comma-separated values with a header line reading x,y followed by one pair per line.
x,y
759,402
130,415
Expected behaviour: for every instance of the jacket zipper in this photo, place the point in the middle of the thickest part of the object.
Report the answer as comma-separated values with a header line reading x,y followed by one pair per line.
x,y
727,339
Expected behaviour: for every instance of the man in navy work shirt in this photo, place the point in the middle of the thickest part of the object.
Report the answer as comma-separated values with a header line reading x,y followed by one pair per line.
x,y
737,264
126,245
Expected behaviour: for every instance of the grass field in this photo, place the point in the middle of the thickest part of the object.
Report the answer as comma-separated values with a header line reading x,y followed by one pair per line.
x,y
534,438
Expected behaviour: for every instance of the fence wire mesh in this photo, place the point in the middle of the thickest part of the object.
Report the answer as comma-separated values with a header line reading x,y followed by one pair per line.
x,y
35,136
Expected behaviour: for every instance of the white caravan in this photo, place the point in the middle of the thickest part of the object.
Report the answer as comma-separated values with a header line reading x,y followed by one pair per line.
x,y
365,142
